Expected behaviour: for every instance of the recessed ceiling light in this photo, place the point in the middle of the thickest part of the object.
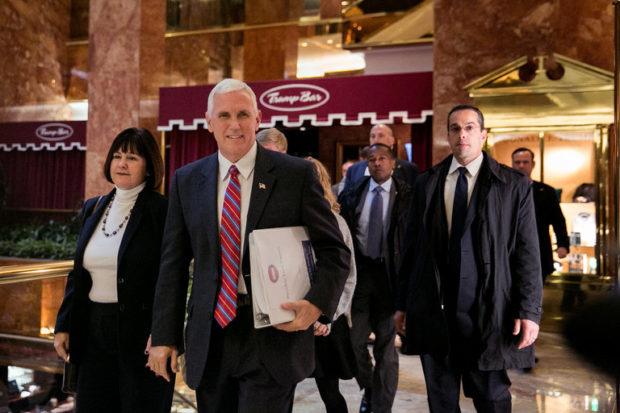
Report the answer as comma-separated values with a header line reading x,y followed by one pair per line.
x,y
304,44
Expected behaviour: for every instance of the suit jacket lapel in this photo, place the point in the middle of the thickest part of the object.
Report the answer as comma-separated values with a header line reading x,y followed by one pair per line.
x,y
206,190
133,224
391,200
262,185
480,194
90,224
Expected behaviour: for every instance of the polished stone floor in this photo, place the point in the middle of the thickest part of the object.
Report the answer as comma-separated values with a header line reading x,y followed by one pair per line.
x,y
559,383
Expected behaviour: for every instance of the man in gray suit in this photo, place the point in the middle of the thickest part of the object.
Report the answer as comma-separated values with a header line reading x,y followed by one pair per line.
x,y
214,204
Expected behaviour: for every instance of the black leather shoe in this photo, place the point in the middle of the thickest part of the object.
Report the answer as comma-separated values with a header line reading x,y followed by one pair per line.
x,y
365,406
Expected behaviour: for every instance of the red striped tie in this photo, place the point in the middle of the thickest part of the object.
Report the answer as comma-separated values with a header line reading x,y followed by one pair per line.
x,y
230,237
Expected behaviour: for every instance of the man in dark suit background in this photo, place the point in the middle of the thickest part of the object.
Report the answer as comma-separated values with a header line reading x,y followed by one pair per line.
x,y
375,210
233,366
548,212
470,281
405,171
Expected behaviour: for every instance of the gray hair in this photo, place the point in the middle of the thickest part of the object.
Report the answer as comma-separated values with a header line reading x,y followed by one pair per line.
x,y
230,85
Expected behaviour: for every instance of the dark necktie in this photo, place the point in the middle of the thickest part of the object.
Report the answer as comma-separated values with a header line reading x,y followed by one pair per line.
x,y
459,209
375,225
230,239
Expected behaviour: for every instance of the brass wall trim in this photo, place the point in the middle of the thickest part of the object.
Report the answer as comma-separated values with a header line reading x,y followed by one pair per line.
x,y
242,27
43,340
373,45
31,272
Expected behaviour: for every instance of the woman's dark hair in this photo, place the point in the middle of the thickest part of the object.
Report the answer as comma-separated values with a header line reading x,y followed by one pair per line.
x,y
141,142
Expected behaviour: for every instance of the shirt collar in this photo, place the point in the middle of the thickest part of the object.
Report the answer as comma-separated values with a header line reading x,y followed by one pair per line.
x,y
473,167
387,185
245,165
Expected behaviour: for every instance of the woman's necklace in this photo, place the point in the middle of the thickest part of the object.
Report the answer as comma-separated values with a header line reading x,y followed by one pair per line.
x,y
105,219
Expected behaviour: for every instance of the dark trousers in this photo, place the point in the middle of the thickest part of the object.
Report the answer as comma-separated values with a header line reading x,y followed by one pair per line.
x,y
488,389
109,381
372,311
234,379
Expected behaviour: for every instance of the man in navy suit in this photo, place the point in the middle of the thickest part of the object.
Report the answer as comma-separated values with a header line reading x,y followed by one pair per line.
x,y
403,170
236,367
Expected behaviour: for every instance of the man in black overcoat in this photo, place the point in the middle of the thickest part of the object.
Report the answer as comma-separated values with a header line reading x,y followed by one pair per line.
x,y
470,280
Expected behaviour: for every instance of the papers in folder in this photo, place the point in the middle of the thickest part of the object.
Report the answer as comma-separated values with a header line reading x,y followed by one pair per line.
x,y
282,263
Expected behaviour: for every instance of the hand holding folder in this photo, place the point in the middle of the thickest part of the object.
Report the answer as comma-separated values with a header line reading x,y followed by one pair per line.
x,y
282,266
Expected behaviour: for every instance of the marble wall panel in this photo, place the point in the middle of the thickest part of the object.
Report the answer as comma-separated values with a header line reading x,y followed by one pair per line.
x,y
52,293
331,9
152,47
20,311
475,37
126,69
113,82
32,41
77,68
189,58
270,11
269,53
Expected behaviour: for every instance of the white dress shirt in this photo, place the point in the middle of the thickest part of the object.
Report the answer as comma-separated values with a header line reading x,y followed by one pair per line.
x,y
473,168
245,166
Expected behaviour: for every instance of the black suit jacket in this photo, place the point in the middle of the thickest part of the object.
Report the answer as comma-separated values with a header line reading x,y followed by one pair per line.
x,y
285,192
399,204
138,269
403,170
548,212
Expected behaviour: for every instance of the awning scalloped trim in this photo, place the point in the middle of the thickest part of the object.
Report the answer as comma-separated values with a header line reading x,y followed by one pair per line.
x,y
21,147
392,117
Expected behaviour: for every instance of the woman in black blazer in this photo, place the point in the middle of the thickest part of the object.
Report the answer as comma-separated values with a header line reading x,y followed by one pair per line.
x,y
104,321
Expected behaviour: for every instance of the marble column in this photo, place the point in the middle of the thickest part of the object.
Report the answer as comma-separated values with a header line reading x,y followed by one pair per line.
x,y
33,43
271,52
126,59
330,9
476,37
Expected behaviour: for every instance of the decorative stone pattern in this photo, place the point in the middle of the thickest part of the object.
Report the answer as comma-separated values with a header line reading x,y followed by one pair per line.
x,y
32,41
476,37
126,61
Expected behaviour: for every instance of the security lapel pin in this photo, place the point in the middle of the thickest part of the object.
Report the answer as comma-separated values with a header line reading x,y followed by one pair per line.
x,y
261,186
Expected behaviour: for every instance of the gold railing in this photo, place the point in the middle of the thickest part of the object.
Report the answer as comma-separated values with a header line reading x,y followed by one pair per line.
x,y
31,272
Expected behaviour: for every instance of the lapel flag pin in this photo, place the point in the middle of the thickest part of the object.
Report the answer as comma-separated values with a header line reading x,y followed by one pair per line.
x,y
261,186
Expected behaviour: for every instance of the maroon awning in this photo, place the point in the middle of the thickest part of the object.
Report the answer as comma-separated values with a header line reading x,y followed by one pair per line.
x,y
392,98
37,136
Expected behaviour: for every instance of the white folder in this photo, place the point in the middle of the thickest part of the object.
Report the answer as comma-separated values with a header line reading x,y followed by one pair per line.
x,y
282,265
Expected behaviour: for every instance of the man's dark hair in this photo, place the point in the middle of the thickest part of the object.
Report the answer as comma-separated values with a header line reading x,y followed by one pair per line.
x,y
523,149
467,107
381,145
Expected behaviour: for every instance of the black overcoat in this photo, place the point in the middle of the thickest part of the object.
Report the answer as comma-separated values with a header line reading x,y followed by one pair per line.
x,y
505,246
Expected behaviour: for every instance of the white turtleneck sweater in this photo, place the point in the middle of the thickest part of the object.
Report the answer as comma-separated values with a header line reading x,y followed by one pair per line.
x,y
101,254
